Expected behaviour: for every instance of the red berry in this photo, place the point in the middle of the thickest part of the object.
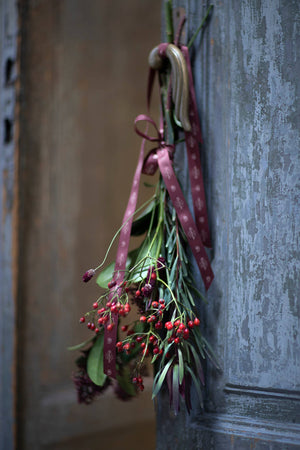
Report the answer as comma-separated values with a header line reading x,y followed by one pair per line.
x,y
100,311
190,323
127,308
111,284
145,351
186,333
158,325
142,387
143,345
155,350
126,346
196,321
143,319
97,330
177,323
153,276
154,304
134,380
139,338
92,326
169,325
114,308
140,379
119,344
82,319
161,301
137,293
124,327
110,326
181,326
95,305
152,338
177,340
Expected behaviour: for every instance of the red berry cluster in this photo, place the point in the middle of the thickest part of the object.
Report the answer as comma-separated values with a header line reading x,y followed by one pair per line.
x,y
138,381
155,312
104,314
180,330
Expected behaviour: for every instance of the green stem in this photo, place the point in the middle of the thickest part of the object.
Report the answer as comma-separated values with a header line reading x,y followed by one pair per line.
x,y
120,229
169,21
200,26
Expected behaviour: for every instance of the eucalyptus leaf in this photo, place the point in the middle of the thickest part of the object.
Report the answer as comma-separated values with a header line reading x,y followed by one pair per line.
x,y
141,224
125,382
106,275
95,362
146,252
81,345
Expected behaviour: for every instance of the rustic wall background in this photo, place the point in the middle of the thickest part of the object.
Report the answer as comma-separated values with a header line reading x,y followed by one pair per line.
x,y
83,81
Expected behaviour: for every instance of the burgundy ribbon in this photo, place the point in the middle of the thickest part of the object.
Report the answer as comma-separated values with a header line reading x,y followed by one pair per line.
x,y
110,336
197,233
161,157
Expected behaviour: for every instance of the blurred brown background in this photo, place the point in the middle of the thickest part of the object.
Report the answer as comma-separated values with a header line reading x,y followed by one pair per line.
x,y
83,81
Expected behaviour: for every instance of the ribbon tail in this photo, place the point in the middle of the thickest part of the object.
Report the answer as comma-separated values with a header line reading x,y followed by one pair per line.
x,y
185,217
192,139
110,336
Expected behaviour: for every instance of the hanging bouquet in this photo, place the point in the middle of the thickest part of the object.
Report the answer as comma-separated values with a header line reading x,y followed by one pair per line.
x,y
155,279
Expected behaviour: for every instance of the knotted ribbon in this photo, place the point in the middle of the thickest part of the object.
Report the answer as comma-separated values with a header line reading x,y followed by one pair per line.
x,y
197,232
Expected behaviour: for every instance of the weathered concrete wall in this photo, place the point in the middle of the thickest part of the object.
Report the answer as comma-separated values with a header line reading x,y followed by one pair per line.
x,y
247,69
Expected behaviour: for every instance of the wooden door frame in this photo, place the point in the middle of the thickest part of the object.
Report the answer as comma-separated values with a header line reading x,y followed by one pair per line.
x,y
9,29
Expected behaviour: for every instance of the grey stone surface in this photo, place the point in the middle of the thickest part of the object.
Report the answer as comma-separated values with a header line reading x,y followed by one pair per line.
x,y
246,67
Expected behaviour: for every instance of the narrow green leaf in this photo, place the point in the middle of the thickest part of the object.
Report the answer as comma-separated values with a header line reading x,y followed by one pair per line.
x,y
197,386
181,366
157,386
175,389
95,362
198,364
210,353
81,345
172,273
199,341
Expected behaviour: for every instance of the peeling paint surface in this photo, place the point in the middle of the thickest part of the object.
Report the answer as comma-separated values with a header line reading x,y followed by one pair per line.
x,y
246,68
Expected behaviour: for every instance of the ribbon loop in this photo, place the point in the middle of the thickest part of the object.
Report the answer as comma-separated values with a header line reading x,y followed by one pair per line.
x,y
148,120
